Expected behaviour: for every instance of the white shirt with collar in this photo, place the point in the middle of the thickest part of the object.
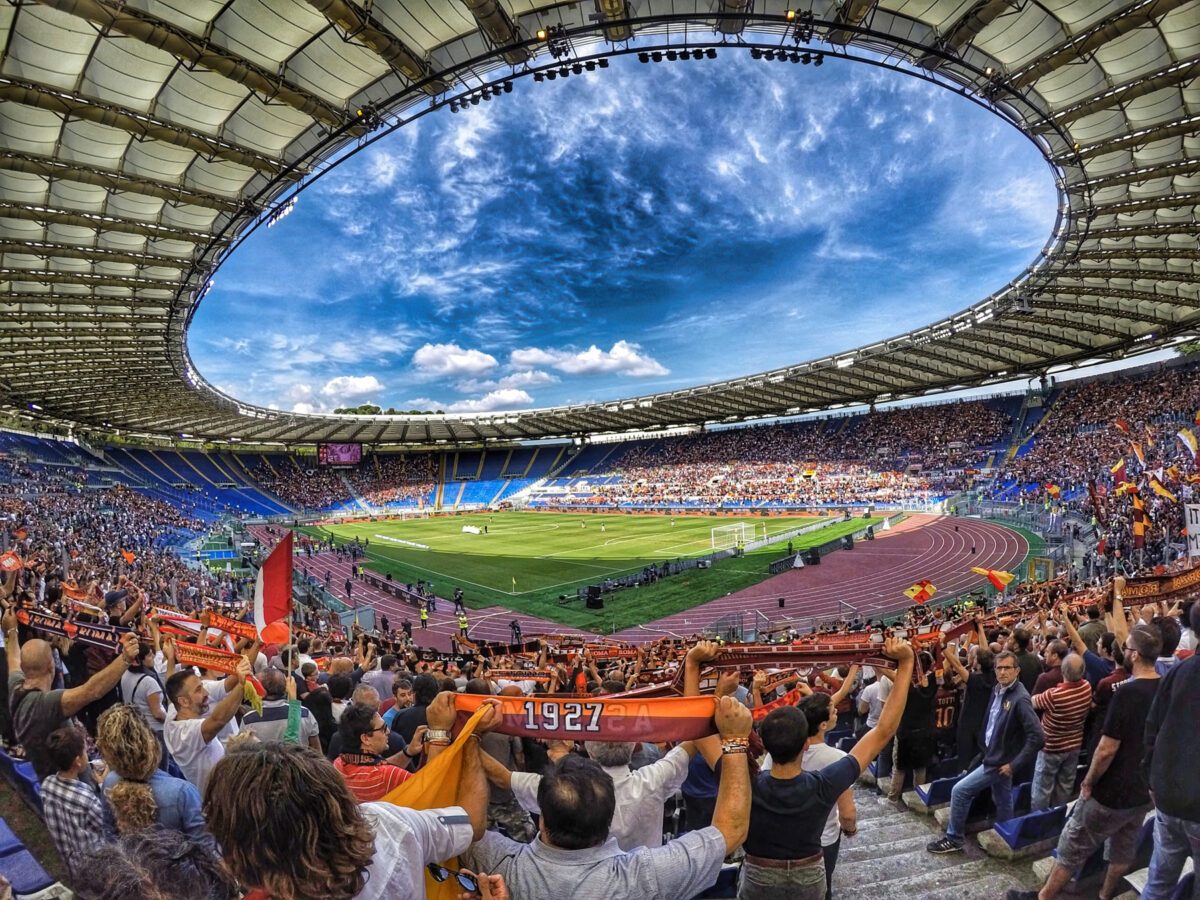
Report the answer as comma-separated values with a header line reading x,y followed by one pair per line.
x,y
641,794
406,841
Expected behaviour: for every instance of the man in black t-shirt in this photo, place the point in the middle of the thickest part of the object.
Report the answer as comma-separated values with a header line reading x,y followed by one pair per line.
x,y
789,806
1114,797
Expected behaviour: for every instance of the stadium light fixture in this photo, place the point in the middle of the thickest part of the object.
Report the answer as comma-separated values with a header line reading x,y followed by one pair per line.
x,y
508,87
541,34
845,362
644,57
790,15
539,76
756,53
672,55
818,59
711,52
602,62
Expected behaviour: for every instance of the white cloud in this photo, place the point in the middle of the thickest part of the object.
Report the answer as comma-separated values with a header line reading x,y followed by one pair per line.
x,y
529,378
624,358
451,360
351,387
506,398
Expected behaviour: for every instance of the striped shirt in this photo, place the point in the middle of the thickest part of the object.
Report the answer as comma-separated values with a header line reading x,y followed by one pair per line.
x,y
372,781
1065,707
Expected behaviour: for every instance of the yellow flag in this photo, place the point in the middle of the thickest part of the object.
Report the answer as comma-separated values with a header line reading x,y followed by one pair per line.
x,y
434,787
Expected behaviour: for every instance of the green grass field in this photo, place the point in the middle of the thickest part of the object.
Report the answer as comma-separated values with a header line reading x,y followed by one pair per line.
x,y
552,554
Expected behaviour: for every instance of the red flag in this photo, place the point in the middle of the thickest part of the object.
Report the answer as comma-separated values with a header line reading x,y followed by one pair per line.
x,y
1118,470
1053,490
128,556
273,588
1122,425
9,562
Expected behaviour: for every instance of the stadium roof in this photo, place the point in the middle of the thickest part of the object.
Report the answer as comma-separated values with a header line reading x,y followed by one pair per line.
x,y
141,139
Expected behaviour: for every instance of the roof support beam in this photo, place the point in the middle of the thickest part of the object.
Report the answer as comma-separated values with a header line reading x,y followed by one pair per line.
x,y
46,215
1140,253
140,125
196,51
849,16
49,298
359,25
1081,272
1175,128
1141,86
1189,166
38,276
966,29
498,28
1081,45
118,182
1123,232
46,249
1038,335
1123,294
1098,309
735,10
1164,201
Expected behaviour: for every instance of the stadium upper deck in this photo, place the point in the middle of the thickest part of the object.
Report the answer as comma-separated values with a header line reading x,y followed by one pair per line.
x,y
141,140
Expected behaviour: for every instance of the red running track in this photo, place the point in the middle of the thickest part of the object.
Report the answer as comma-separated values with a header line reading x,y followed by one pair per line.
x,y
872,578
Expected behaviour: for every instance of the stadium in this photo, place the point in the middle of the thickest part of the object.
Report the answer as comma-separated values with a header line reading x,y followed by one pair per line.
x,y
873,456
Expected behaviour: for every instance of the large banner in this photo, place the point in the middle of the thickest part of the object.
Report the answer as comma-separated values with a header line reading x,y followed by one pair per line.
x,y
1191,515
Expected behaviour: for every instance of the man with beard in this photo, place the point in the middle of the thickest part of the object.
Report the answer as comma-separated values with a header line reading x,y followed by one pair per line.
x,y
194,722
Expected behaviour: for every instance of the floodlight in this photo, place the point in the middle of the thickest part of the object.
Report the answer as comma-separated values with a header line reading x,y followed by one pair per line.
x,y
657,56
541,34
672,55
711,52
790,15
603,62
508,87
644,57
697,53
820,58
755,53
590,65
805,58
538,76
770,54
577,68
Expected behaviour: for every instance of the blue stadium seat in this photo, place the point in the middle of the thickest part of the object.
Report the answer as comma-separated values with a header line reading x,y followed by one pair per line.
x,y
1022,796
28,785
847,743
937,793
6,765
9,842
24,872
1029,829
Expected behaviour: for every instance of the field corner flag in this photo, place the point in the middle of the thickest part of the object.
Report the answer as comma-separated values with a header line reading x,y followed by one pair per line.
x,y
273,589
514,580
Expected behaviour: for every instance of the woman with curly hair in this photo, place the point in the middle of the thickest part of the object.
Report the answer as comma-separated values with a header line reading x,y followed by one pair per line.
x,y
140,793
291,829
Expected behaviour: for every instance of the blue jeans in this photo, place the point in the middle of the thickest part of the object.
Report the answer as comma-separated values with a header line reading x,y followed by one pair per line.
x,y
971,786
1053,779
1174,839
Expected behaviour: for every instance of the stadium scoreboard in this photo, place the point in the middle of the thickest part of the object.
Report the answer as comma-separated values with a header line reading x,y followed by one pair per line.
x,y
339,454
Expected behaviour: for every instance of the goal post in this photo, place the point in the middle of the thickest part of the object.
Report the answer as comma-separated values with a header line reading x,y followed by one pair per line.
x,y
729,537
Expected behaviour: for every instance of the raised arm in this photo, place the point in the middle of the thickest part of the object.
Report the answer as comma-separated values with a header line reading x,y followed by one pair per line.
x,y
731,814
872,743
847,686
1076,640
950,657
228,707
75,699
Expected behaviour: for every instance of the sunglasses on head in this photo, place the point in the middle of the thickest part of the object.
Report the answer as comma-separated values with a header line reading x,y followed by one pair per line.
x,y
441,873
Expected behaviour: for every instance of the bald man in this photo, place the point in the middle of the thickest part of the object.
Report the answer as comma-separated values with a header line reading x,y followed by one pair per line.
x,y
1064,710
36,709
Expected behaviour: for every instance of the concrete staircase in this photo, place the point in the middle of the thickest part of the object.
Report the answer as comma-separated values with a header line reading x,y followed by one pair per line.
x,y
887,860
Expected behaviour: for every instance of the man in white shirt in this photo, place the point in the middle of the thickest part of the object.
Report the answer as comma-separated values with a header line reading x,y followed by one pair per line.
x,y
871,700
641,794
194,723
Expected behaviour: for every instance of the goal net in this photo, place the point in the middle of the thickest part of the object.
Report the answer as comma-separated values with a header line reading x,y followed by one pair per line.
x,y
727,537
414,513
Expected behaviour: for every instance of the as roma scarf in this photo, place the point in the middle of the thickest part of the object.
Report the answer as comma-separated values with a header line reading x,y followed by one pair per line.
x,y
97,635
600,718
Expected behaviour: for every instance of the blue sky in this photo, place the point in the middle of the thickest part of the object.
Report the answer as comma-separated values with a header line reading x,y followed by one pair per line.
x,y
631,230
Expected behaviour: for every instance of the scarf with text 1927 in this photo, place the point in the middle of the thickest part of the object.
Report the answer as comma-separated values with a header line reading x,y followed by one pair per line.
x,y
600,718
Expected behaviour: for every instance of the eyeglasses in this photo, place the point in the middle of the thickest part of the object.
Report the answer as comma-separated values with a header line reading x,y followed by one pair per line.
x,y
441,873
383,726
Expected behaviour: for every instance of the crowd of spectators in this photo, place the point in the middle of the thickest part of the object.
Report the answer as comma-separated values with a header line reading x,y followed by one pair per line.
x,y
397,479
909,454
1094,425
290,795
301,484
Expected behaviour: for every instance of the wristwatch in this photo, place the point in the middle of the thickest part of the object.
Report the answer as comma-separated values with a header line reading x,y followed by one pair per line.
x,y
437,734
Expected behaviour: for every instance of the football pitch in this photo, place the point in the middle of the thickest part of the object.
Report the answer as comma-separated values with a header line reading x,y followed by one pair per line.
x,y
528,561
